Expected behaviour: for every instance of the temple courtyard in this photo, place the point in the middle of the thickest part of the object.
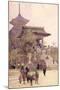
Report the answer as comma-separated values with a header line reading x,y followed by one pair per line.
x,y
50,79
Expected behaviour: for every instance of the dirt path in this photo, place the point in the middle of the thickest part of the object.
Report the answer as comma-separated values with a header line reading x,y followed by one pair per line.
x,y
51,78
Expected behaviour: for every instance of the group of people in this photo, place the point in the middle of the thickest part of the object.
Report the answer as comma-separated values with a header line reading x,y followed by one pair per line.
x,y
26,75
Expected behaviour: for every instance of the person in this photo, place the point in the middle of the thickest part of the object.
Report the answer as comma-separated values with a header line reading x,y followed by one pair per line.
x,y
38,66
22,74
36,76
26,70
30,78
44,67
44,70
22,68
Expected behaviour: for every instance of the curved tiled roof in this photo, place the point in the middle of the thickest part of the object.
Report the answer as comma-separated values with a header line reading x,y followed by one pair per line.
x,y
37,30
19,20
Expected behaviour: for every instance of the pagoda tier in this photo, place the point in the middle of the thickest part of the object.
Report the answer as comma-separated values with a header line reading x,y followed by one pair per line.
x,y
19,21
15,31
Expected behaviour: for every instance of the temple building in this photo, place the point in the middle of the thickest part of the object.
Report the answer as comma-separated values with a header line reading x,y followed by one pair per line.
x,y
21,35
20,29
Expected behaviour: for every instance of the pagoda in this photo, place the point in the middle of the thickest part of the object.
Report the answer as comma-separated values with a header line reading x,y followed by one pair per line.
x,y
16,30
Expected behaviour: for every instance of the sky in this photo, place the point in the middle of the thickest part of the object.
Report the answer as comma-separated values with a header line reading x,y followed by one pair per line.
x,y
40,15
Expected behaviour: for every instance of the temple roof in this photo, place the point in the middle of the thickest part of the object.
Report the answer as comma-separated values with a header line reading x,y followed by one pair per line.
x,y
19,21
37,30
33,27
41,33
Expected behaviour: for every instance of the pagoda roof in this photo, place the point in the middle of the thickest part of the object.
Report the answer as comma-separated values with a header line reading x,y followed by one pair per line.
x,y
15,31
19,21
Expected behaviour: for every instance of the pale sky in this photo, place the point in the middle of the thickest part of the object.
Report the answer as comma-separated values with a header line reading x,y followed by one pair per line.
x,y
40,15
